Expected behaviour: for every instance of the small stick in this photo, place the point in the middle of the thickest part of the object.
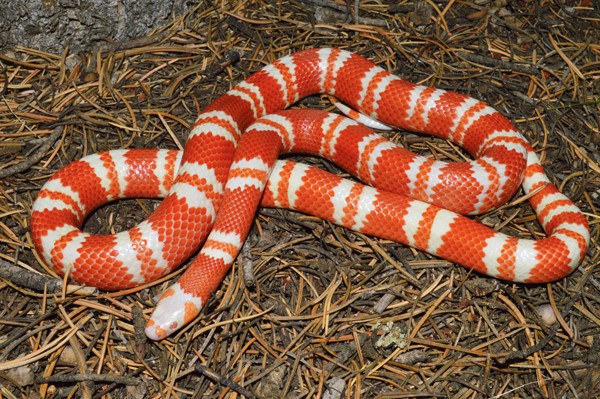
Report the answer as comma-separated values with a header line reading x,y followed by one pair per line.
x,y
33,159
205,371
88,377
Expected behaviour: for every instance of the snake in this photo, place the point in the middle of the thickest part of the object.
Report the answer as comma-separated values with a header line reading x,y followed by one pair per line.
x,y
230,166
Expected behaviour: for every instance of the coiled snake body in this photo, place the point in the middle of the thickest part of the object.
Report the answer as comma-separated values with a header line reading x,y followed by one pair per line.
x,y
198,182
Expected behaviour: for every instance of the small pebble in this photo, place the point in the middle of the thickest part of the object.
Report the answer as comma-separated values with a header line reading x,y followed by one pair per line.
x,y
547,314
67,356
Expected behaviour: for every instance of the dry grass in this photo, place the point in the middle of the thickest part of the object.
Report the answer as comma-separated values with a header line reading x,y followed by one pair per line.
x,y
322,296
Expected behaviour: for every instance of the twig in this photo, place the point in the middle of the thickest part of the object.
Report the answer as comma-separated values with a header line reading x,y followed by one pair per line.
x,y
247,265
88,377
230,57
205,371
487,61
35,157
28,279
137,42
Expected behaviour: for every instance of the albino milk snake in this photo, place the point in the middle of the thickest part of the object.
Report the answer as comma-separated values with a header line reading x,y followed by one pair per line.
x,y
198,181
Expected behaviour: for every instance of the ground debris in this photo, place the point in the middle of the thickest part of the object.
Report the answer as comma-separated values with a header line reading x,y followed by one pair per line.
x,y
306,316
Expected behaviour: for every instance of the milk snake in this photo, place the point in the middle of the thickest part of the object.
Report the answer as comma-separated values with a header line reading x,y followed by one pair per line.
x,y
198,182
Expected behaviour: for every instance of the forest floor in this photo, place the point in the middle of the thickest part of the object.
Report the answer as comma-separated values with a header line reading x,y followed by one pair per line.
x,y
326,312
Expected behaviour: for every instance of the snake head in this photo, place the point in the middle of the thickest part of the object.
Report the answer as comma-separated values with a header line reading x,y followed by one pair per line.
x,y
175,309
